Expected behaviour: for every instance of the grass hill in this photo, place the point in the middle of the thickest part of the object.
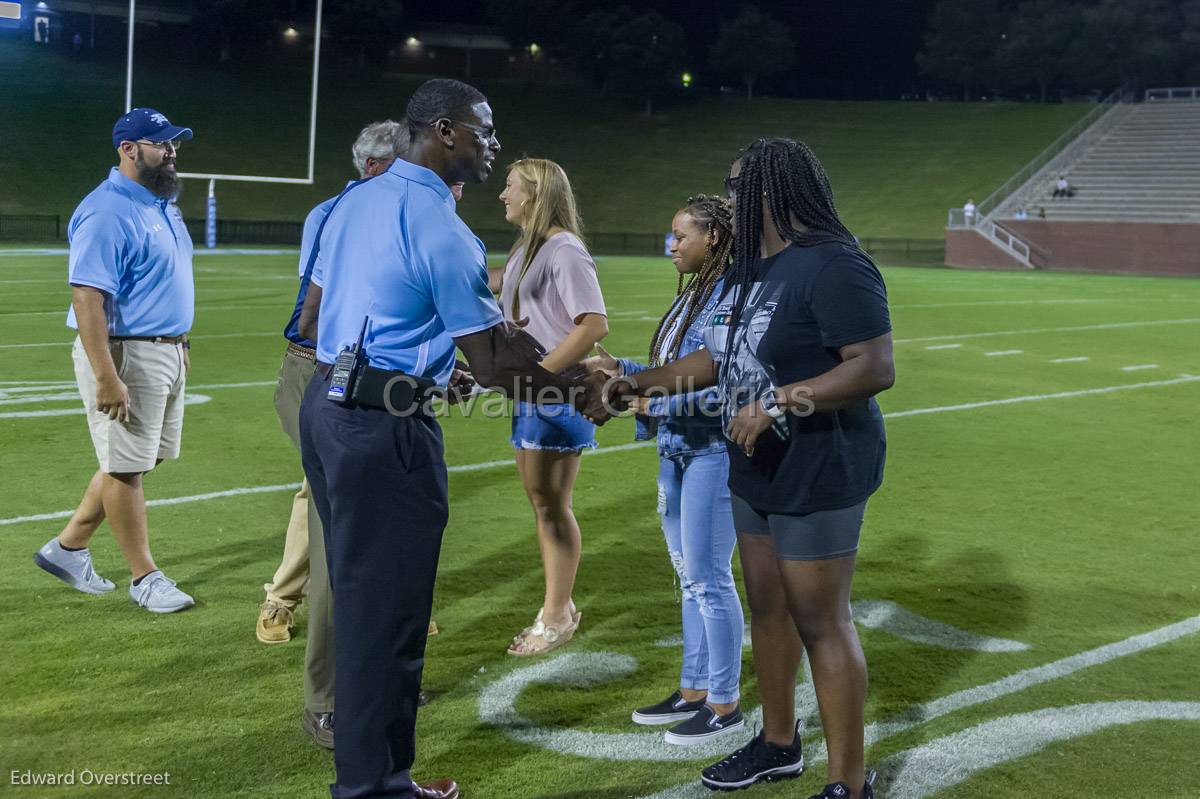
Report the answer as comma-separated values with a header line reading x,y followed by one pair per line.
x,y
896,167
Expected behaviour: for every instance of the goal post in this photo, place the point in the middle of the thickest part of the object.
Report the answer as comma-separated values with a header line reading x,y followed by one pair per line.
x,y
212,177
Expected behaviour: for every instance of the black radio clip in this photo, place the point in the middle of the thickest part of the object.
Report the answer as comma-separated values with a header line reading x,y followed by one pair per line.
x,y
347,368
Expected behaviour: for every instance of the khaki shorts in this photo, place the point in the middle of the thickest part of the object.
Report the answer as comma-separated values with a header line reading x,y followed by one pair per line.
x,y
155,377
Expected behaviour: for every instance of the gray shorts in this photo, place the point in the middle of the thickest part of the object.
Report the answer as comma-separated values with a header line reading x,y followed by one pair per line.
x,y
813,536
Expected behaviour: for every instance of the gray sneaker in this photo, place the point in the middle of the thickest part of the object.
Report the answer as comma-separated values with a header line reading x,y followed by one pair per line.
x,y
158,594
73,568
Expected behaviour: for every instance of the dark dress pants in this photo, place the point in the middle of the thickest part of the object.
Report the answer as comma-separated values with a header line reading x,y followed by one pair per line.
x,y
379,485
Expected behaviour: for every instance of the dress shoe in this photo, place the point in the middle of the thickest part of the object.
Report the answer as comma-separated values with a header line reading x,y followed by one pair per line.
x,y
438,789
319,726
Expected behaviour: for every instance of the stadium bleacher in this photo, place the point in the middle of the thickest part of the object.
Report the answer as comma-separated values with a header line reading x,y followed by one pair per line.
x,y
1147,168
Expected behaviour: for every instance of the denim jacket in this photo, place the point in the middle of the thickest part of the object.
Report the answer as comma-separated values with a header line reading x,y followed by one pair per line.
x,y
685,424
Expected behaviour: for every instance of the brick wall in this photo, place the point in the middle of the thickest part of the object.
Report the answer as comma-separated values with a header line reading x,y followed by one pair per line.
x,y
1125,248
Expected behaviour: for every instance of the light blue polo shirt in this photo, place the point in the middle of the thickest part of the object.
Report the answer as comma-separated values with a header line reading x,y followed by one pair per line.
x,y
393,249
135,248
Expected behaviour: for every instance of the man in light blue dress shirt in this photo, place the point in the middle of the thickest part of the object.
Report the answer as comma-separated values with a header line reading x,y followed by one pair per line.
x,y
394,254
132,302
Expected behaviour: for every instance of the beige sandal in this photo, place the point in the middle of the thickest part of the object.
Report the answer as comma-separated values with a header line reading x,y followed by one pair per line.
x,y
552,637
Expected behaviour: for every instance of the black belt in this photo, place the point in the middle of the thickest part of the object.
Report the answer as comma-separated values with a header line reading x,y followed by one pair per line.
x,y
397,392
155,339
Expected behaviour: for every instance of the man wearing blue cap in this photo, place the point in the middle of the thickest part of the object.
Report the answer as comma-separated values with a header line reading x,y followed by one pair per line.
x,y
130,271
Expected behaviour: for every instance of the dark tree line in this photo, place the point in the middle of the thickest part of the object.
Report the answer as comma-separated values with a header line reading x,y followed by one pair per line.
x,y
1049,48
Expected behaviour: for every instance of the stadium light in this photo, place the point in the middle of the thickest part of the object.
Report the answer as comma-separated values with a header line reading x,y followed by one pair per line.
x,y
534,49
687,80
291,34
412,41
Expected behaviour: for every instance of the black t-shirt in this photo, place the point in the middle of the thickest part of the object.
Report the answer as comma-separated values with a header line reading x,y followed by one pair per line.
x,y
805,304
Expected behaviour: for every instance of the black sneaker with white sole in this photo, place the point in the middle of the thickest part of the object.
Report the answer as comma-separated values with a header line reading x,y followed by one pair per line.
x,y
673,708
704,726
758,761
840,790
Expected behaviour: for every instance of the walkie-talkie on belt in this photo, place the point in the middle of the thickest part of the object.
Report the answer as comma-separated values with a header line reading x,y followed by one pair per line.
x,y
347,368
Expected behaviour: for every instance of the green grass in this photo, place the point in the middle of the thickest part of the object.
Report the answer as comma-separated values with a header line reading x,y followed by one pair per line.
x,y
1067,523
896,167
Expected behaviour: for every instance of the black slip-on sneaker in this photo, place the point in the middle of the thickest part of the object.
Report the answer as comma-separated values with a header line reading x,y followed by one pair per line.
x,y
758,761
673,708
705,725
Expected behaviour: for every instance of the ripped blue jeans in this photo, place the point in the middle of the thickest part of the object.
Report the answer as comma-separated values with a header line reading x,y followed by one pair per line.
x,y
697,521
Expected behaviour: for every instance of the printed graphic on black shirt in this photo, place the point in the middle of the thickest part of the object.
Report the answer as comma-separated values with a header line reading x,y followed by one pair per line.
x,y
744,377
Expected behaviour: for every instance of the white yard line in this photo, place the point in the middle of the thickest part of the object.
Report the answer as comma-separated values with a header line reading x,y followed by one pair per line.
x,y
1003,352
943,346
1074,359
473,467
1139,367
968,406
1109,326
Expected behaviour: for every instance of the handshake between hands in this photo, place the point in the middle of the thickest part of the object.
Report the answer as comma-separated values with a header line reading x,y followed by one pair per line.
x,y
597,389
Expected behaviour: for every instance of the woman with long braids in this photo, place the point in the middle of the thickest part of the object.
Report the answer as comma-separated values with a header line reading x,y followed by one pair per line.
x,y
693,492
550,286
799,345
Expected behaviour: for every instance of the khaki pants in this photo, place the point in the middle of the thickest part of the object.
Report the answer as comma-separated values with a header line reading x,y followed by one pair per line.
x,y
304,551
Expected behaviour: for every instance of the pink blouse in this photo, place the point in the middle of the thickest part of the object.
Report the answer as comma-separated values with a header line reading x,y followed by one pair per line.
x,y
559,287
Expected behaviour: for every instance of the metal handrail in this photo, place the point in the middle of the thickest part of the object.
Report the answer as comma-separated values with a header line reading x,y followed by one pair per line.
x,y
1173,93
1041,159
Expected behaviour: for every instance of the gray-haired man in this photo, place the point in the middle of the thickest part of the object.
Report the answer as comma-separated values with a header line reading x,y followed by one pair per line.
x,y
303,563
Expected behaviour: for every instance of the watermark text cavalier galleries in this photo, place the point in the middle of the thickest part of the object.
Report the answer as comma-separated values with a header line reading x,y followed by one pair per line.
x,y
87,776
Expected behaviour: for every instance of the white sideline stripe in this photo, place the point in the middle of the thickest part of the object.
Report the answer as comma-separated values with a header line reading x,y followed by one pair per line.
x,y
474,467
1110,326
943,346
1075,359
1003,352
1139,367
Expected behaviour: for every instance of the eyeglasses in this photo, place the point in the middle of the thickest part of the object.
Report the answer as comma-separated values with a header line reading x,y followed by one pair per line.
x,y
487,135
173,146
731,185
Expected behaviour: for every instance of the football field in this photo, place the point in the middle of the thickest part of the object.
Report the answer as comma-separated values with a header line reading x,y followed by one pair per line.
x,y
1027,594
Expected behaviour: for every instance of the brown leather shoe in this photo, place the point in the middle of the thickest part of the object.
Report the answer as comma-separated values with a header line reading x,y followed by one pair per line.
x,y
319,726
438,789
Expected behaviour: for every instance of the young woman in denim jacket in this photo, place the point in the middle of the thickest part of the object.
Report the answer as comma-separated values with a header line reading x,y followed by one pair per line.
x,y
693,495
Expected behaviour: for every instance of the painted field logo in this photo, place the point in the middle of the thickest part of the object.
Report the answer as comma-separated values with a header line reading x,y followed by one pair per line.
x,y
912,774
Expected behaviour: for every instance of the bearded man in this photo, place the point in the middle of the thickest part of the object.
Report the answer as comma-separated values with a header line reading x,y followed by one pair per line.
x,y
132,303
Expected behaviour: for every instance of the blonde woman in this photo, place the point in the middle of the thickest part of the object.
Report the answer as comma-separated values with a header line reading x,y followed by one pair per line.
x,y
549,284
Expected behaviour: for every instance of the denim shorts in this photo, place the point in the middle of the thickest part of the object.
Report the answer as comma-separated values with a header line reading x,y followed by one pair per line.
x,y
559,428
821,535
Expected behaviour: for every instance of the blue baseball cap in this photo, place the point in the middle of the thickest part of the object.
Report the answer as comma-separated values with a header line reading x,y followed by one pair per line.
x,y
148,124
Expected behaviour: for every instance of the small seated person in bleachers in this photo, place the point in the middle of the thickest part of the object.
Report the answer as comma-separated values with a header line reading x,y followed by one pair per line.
x,y
1063,188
